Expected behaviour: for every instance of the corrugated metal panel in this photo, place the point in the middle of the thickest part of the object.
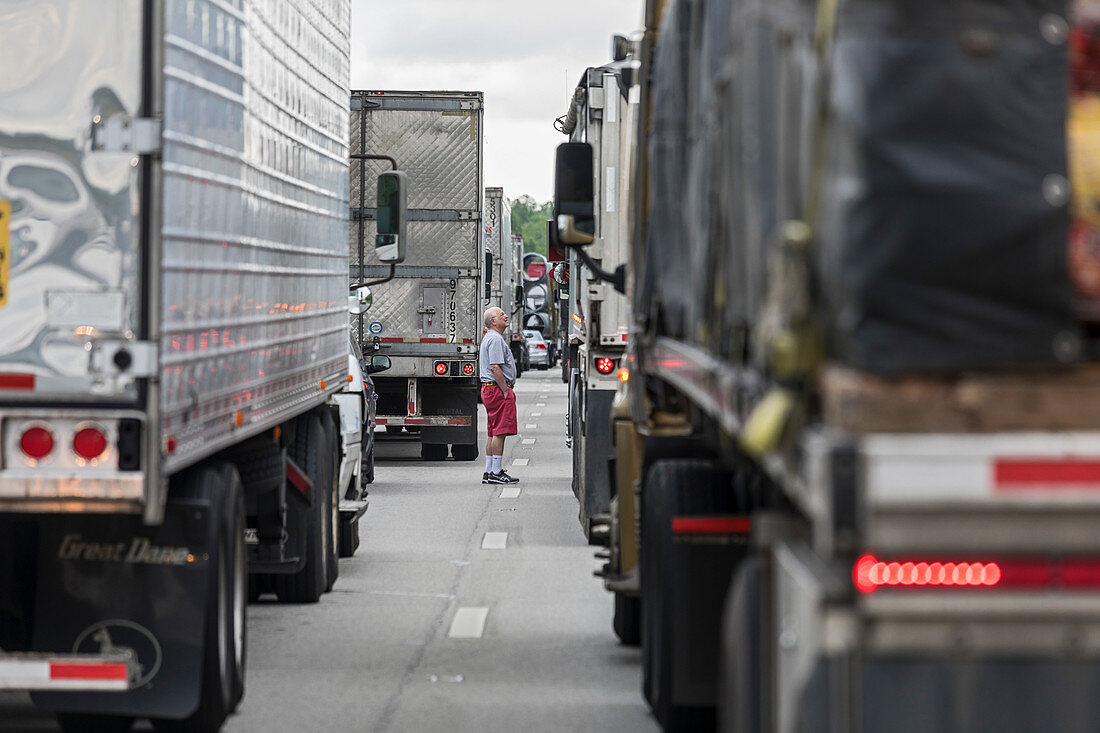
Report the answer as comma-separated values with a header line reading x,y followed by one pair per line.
x,y
255,213
74,251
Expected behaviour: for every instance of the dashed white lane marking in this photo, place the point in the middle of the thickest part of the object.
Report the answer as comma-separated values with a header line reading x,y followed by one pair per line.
x,y
445,596
542,397
536,414
540,404
509,492
469,622
521,461
530,426
495,541
528,441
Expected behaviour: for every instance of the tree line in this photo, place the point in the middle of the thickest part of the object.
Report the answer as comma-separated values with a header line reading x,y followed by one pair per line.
x,y
529,221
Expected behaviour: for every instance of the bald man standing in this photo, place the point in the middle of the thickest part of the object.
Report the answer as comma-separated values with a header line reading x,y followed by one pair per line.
x,y
498,376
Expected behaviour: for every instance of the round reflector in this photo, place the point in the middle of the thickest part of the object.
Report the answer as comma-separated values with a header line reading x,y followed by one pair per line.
x,y
467,369
89,442
36,442
441,367
605,365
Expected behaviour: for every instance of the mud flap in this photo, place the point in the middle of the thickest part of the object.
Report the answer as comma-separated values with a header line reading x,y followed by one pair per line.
x,y
450,399
113,584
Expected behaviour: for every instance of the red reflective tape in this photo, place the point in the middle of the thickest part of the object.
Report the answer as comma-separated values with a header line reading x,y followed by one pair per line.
x,y
711,525
433,341
1015,474
16,381
92,671
380,421
389,340
298,479
624,337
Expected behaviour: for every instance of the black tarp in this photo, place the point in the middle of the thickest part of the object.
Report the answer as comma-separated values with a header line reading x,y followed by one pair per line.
x,y
945,216
941,242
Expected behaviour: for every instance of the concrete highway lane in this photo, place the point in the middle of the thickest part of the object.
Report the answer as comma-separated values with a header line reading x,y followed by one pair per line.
x,y
462,610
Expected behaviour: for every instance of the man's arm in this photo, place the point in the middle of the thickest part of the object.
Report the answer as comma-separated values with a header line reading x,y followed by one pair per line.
x,y
498,377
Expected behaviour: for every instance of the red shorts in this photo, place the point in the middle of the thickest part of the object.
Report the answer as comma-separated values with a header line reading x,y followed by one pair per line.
x,y
501,409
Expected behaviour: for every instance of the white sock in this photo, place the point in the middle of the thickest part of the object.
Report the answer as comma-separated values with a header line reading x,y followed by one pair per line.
x,y
498,464
488,463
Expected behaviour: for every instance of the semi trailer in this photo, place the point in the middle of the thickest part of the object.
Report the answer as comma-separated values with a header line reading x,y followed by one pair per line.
x,y
602,114
173,326
504,289
428,312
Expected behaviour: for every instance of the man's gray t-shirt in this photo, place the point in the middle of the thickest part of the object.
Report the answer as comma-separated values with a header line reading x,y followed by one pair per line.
x,y
494,350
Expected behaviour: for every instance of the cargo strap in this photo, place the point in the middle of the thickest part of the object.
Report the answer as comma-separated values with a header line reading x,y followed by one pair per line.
x,y
790,339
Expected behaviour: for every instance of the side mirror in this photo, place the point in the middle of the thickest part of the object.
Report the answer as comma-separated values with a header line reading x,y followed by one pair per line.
x,y
519,294
389,242
359,301
379,363
573,208
620,47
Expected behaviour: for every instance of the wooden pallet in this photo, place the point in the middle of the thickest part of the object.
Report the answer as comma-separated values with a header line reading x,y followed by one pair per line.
x,y
972,402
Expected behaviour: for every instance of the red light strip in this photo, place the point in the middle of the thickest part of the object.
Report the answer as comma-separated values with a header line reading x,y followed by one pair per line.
x,y
870,573
711,525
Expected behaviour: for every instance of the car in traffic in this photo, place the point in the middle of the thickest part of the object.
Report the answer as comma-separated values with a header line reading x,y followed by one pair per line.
x,y
538,351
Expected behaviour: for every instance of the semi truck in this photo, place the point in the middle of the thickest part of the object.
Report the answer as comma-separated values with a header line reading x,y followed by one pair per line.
x,y
856,450
428,316
602,113
173,323
504,289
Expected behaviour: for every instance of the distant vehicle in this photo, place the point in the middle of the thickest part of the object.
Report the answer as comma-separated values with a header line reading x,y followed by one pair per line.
x,y
538,351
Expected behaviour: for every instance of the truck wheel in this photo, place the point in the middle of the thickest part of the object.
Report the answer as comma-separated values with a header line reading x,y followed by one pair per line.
x,y
83,723
332,526
311,452
224,636
628,619
433,451
367,472
462,452
672,488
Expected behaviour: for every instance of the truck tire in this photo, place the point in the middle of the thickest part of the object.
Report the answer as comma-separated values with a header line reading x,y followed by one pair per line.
x,y
367,472
433,451
464,452
224,635
628,619
87,723
333,523
672,488
310,450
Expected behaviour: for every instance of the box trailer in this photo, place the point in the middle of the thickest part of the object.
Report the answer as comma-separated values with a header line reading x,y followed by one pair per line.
x,y
602,112
428,318
506,288
173,321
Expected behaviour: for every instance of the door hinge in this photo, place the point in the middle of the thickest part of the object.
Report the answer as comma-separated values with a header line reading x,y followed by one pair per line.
x,y
124,134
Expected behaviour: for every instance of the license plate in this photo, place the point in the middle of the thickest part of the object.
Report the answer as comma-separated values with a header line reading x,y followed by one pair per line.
x,y
5,249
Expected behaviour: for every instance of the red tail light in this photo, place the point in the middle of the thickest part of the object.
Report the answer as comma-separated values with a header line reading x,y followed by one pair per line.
x,y
467,369
441,368
89,443
871,573
36,442
605,365
541,346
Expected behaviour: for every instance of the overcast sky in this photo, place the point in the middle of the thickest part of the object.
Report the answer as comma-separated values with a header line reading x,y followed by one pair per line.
x,y
526,56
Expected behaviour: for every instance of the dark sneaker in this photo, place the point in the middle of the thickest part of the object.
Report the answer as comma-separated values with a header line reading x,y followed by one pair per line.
x,y
506,479
485,477
496,478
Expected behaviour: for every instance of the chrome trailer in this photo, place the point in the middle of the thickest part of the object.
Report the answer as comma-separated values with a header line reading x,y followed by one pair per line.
x,y
173,320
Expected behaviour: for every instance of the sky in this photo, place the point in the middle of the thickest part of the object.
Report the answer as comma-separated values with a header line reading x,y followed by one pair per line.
x,y
526,55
